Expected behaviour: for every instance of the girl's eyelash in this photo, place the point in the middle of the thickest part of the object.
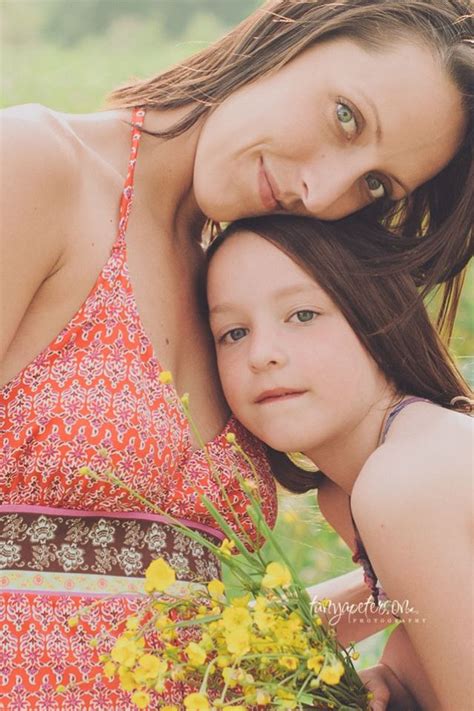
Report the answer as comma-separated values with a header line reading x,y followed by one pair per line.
x,y
223,338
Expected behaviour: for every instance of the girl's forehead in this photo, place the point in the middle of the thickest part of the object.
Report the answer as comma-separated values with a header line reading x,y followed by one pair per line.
x,y
249,265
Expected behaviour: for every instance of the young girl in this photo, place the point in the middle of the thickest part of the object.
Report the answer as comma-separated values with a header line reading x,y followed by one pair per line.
x,y
322,351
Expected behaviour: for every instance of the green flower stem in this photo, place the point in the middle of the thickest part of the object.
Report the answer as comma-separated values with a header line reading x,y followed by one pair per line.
x,y
211,466
220,520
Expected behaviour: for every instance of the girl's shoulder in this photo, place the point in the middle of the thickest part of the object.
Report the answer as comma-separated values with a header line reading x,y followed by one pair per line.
x,y
427,457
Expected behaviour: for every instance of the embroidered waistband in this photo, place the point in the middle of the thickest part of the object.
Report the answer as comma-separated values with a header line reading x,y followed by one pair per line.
x,y
85,543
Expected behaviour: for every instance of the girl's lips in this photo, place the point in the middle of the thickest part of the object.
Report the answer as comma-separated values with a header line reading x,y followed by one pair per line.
x,y
267,197
278,395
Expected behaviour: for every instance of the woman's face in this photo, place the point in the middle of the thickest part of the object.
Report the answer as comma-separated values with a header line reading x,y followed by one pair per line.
x,y
331,131
292,369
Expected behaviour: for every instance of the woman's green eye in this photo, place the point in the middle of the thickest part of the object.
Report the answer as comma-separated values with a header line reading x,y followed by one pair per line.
x,y
376,187
346,118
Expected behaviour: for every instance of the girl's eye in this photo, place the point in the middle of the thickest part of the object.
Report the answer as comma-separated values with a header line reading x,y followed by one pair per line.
x,y
234,335
376,187
346,118
303,316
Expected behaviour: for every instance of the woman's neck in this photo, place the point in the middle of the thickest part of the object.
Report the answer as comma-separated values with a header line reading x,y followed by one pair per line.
x,y
342,458
164,175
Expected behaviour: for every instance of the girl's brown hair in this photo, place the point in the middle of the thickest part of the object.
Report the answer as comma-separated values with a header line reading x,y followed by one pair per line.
x,y
433,226
386,312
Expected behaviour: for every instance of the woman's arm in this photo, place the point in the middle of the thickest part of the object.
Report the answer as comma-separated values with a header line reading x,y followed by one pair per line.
x,y
412,505
34,165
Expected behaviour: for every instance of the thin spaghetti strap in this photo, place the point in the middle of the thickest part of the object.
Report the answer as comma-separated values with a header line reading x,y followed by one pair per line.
x,y
395,411
126,200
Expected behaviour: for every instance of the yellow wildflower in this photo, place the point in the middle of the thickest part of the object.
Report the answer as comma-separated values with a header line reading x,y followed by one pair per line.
x,y
196,654
230,677
125,651
277,575
288,662
227,546
196,702
331,673
141,699
165,377
315,663
206,642
234,617
127,679
242,601
238,641
159,576
216,589
223,661
60,689
161,622
185,399
73,622
109,670
169,707
149,667
231,438
235,708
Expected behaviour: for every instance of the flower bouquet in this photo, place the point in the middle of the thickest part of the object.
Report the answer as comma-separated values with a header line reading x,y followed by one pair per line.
x,y
266,648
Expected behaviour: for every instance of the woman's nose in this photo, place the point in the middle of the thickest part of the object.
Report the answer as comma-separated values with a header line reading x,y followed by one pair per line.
x,y
332,187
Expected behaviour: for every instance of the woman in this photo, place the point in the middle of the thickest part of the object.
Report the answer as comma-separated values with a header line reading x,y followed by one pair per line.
x,y
82,343
321,352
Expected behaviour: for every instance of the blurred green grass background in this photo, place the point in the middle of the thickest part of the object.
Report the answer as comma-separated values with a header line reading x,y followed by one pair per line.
x,y
68,54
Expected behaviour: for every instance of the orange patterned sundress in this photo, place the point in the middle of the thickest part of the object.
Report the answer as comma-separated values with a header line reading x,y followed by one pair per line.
x,y
93,398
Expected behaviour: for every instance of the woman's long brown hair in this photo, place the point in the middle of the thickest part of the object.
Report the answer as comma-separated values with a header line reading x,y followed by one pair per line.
x,y
385,311
433,226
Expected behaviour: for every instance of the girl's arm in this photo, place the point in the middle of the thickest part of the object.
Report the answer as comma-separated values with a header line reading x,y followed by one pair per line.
x,y
350,610
412,505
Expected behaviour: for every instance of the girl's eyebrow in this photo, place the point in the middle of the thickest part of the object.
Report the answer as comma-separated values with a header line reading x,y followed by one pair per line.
x,y
290,290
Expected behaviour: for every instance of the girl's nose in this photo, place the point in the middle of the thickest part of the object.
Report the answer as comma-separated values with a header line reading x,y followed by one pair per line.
x,y
265,354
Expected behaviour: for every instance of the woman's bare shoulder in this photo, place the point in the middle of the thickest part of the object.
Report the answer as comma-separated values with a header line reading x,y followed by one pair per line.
x,y
37,139
40,177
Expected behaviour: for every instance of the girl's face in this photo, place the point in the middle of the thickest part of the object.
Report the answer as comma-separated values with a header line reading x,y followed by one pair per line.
x,y
292,369
331,131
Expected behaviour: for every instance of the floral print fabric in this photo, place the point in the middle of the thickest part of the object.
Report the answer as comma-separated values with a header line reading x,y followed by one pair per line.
x,y
93,397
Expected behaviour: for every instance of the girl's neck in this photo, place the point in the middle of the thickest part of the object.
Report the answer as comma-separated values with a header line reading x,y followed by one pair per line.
x,y
343,458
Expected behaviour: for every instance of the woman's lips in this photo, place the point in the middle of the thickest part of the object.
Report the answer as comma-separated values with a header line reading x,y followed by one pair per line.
x,y
265,189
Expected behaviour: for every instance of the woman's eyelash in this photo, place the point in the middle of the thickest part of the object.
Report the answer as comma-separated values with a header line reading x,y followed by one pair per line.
x,y
347,117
